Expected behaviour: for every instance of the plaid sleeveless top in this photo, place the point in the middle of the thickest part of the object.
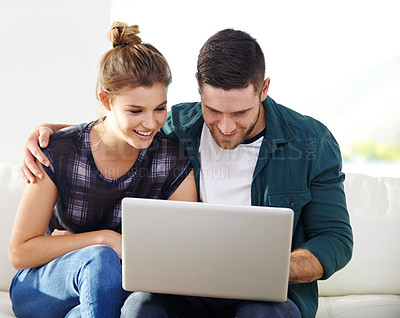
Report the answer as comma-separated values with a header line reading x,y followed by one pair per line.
x,y
90,201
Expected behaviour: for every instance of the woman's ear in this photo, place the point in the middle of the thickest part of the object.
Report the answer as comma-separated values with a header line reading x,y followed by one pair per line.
x,y
105,100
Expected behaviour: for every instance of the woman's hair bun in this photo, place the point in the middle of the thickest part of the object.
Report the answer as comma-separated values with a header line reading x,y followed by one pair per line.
x,y
121,34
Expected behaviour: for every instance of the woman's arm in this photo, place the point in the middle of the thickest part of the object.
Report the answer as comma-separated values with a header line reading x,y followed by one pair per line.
x,y
187,190
40,136
29,247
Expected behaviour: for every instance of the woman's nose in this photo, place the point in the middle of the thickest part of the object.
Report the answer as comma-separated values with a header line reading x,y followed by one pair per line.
x,y
149,122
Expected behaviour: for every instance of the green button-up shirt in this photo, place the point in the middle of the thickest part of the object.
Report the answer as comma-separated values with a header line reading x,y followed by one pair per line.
x,y
299,166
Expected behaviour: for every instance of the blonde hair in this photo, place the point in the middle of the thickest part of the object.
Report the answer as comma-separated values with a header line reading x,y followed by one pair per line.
x,y
130,63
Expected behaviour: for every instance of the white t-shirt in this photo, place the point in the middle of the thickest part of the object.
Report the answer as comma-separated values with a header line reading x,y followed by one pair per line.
x,y
226,175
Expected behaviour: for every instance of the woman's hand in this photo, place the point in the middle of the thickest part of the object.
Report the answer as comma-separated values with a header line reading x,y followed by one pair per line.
x,y
112,239
61,232
107,237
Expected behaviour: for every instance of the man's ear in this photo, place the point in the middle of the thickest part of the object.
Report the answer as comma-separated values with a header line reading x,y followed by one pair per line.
x,y
105,100
264,91
198,83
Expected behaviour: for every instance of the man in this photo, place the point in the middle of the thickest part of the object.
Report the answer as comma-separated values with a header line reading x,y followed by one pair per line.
x,y
272,156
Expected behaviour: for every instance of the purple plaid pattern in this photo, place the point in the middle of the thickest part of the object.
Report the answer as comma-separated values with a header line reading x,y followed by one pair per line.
x,y
90,201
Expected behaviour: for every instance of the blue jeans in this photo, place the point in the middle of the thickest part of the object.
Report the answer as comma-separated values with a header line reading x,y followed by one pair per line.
x,y
147,305
83,283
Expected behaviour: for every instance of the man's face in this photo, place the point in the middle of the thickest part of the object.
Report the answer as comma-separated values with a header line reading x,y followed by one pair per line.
x,y
233,115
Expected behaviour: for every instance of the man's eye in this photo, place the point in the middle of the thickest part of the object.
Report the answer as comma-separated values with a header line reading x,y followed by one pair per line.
x,y
160,109
240,113
135,111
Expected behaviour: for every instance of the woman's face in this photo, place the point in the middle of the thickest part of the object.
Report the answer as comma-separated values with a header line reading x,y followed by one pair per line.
x,y
137,114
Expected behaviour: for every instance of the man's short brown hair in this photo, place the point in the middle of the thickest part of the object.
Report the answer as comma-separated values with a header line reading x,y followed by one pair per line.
x,y
231,59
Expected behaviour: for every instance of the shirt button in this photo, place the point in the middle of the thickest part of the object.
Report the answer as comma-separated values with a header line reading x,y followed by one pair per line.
x,y
291,205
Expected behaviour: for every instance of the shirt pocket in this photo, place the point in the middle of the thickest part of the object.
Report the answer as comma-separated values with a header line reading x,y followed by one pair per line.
x,y
293,200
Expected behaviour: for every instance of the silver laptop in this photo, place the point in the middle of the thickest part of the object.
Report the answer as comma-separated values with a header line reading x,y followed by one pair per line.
x,y
201,249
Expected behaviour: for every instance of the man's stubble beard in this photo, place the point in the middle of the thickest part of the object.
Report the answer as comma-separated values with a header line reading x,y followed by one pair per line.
x,y
227,145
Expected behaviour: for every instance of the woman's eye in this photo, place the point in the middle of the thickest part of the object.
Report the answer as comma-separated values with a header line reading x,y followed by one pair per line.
x,y
160,109
135,111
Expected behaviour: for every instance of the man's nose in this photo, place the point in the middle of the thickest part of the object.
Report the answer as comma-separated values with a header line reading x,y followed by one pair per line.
x,y
227,125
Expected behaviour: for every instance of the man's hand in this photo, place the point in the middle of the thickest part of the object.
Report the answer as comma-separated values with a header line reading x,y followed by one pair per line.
x,y
30,169
39,136
304,267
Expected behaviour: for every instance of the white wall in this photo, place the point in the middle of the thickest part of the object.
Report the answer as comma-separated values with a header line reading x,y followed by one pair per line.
x,y
48,63
319,54
338,61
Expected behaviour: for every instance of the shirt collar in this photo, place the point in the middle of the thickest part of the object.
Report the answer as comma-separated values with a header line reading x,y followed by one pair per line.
x,y
277,129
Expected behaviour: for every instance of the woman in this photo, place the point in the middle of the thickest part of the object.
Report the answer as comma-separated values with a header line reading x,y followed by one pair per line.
x,y
66,240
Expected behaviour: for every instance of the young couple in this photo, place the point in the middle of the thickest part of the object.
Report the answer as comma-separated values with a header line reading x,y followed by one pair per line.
x,y
66,240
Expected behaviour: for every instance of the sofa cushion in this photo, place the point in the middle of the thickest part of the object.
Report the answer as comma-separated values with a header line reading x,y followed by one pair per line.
x,y
359,306
5,305
11,188
374,207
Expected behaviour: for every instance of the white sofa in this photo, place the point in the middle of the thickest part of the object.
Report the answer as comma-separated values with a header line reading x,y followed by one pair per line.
x,y
369,287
